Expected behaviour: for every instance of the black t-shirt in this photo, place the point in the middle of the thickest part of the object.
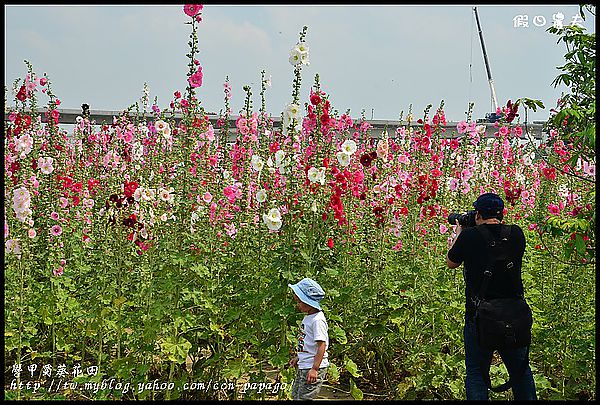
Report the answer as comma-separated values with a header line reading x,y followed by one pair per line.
x,y
470,248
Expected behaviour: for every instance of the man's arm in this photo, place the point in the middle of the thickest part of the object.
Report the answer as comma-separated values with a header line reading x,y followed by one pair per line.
x,y
449,262
311,376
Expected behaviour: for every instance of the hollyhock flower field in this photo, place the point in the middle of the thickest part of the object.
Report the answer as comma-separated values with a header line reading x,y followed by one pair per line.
x,y
157,252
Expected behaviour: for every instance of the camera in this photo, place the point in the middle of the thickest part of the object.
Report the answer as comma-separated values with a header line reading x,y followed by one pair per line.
x,y
465,220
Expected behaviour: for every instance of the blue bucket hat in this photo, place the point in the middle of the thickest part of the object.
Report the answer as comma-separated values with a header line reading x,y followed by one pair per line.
x,y
309,292
489,204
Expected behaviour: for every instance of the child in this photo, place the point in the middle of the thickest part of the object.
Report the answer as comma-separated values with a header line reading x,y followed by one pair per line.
x,y
313,340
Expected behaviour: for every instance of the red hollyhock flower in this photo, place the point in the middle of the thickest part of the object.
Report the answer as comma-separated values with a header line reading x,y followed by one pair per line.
x,y
130,188
330,243
549,173
366,159
315,99
512,111
22,94
77,187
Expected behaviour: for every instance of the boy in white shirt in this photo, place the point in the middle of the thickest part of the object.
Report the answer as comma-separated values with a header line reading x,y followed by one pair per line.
x,y
313,340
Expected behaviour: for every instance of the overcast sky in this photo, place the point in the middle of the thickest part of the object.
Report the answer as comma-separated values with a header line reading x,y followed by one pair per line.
x,y
380,59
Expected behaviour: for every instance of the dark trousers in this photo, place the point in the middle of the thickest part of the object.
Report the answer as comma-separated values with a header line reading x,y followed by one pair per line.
x,y
524,389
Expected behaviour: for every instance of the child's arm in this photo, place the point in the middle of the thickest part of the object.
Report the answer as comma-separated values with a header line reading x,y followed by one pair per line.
x,y
311,376
293,361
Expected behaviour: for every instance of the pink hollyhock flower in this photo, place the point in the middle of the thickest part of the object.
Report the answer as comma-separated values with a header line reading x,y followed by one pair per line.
x,y
192,10
5,229
63,202
443,229
56,230
31,233
503,130
59,271
207,197
461,127
231,230
54,215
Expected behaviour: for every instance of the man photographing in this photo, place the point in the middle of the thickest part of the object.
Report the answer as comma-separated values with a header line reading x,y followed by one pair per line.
x,y
492,254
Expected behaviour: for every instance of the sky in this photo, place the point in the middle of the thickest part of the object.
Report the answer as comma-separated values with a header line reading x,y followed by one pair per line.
x,y
380,59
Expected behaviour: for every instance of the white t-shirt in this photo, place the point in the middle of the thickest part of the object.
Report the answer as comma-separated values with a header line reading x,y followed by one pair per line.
x,y
313,328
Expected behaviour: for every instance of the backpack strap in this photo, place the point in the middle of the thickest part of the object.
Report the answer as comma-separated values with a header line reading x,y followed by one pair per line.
x,y
490,242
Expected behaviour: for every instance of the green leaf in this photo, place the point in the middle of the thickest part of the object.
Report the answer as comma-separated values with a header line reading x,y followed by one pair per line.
x,y
333,372
579,244
305,256
119,301
351,367
339,335
355,391
176,349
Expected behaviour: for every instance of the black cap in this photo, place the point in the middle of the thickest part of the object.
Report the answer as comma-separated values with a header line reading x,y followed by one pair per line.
x,y
489,204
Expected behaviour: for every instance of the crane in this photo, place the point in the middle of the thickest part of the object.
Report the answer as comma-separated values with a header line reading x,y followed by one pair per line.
x,y
489,117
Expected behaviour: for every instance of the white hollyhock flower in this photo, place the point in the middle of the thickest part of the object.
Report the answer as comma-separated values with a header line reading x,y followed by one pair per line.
x,y
349,146
257,163
163,128
528,159
313,174
295,57
292,111
138,151
273,219
343,158
166,195
261,195
279,156
316,175
149,194
137,195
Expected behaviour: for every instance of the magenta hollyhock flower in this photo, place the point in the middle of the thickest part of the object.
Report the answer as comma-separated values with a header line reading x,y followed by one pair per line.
x,y
518,131
503,131
192,10
56,230
553,209
398,245
195,80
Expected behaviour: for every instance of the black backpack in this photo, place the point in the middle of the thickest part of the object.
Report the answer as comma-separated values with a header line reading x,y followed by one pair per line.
x,y
504,322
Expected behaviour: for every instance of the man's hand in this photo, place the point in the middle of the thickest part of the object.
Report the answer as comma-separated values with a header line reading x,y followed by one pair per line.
x,y
458,231
311,376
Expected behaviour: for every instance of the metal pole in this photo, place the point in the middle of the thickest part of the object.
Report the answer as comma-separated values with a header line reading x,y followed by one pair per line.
x,y
487,65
